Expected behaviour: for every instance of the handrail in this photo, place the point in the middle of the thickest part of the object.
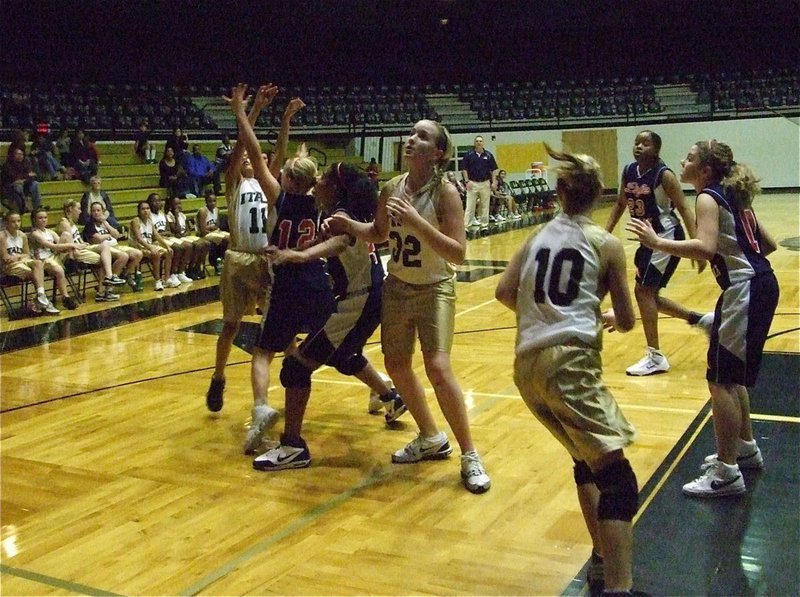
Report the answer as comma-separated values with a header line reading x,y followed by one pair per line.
x,y
323,159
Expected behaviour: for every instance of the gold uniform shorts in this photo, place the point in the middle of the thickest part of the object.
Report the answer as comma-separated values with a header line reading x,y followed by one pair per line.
x,y
563,387
246,279
410,309
20,269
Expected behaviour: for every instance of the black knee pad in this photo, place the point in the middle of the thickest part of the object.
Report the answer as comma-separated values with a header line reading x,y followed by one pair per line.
x,y
582,473
352,364
619,492
295,374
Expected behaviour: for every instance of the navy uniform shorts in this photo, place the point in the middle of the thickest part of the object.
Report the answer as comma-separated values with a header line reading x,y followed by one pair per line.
x,y
346,331
654,268
742,319
290,313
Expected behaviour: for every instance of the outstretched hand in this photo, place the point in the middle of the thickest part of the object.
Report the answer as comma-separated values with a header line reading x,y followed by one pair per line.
x,y
643,231
238,98
282,256
293,107
335,225
265,95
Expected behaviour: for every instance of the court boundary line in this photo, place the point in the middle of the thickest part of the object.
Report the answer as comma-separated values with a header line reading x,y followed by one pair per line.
x,y
56,583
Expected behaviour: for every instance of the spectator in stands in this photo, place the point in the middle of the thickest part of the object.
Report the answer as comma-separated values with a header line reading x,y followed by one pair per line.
x,y
503,197
373,171
208,228
83,159
98,256
45,246
146,238
452,177
197,247
96,195
200,171
144,148
62,148
172,175
222,158
179,142
181,251
99,231
18,180
19,140
479,169
43,151
16,260
91,146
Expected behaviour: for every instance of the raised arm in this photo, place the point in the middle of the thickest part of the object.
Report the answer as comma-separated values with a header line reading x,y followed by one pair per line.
x,y
292,108
264,96
235,164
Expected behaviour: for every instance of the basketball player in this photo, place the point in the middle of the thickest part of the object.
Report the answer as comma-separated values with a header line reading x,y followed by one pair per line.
x,y
730,236
179,226
47,247
358,281
208,229
97,256
99,231
650,191
555,284
16,260
246,276
147,239
181,250
300,298
422,216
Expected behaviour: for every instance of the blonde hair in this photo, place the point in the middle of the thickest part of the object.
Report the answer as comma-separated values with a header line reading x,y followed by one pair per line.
x,y
68,205
579,179
444,143
303,170
738,179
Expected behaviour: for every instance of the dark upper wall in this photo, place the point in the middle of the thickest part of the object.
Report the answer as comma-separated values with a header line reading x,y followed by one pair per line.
x,y
371,40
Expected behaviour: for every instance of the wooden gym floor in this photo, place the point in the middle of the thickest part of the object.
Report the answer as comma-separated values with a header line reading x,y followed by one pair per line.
x,y
116,480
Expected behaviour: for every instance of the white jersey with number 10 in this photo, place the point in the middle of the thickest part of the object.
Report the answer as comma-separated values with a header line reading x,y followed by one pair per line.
x,y
558,300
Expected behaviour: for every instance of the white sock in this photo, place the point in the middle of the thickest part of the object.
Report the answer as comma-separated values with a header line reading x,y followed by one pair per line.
x,y
746,448
40,291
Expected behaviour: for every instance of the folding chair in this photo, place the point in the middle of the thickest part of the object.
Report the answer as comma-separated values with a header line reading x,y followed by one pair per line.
x,y
77,275
8,282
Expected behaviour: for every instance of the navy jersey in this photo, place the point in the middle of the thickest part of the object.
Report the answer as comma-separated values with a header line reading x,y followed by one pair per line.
x,y
647,199
356,270
297,224
738,255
